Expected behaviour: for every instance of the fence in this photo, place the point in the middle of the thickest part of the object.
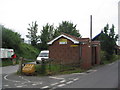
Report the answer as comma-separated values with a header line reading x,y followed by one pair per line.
x,y
51,67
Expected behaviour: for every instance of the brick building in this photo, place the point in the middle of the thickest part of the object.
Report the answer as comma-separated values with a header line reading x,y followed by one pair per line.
x,y
67,49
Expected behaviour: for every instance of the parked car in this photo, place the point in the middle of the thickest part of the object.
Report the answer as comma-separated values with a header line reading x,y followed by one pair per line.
x,y
43,55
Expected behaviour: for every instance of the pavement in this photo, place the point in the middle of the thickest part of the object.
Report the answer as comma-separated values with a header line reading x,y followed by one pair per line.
x,y
100,77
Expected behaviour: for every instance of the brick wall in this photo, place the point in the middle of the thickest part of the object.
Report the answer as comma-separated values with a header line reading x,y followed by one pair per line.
x,y
86,56
64,53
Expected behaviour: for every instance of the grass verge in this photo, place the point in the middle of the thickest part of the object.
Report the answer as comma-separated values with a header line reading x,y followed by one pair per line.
x,y
56,69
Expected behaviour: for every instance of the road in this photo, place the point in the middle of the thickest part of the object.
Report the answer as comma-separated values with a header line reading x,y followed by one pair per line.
x,y
100,77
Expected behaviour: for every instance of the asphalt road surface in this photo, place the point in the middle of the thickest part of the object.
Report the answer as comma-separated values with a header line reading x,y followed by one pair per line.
x,y
100,77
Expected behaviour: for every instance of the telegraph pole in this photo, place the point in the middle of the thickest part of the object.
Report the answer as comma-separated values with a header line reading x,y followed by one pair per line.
x,y
90,27
119,23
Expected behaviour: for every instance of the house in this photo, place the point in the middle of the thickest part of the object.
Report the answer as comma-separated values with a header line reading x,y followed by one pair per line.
x,y
67,49
97,37
116,48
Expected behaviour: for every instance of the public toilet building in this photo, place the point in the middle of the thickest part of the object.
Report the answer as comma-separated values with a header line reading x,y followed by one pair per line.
x,y
67,49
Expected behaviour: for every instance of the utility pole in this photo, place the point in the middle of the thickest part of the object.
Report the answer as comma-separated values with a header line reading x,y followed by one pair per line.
x,y
119,23
90,27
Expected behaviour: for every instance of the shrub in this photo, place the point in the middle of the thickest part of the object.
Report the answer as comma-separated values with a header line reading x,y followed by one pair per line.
x,y
106,58
27,51
37,68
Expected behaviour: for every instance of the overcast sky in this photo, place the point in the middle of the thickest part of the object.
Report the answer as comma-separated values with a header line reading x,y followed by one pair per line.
x,y
17,14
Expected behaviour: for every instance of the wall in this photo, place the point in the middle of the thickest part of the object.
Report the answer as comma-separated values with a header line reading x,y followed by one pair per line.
x,y
67,54
64,53
86,56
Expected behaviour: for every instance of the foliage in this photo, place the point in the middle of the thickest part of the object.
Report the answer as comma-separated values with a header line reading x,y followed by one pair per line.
x,y
10,39
32,33
7,62
68,28
46,35
41,68
108,41
37,68
49,32
51,68
104,60
27,51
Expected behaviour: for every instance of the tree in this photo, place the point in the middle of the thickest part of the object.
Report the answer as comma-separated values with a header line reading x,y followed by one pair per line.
x,y
10,39
32,33
69,28
108,40
47,34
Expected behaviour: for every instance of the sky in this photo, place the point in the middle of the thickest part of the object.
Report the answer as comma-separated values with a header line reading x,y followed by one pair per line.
x,y
17,14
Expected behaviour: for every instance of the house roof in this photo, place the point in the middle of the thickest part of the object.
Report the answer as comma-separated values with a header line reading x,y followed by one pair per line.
x,y
74,39
97,36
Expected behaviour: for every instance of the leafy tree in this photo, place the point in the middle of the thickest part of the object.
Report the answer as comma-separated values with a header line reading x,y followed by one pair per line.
x,y
56,33
47,34
108,40
10,39
32,33
69,28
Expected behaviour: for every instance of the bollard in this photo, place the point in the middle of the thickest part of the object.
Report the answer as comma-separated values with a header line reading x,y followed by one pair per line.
x,y
20,64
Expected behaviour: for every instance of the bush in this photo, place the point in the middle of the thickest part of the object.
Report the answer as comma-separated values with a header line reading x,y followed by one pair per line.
x,y
37,69
106,58
41,68
27,51
51,68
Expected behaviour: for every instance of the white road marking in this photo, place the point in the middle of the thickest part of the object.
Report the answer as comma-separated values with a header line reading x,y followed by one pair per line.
x,y
54,84
34,84
45,87
69,82
62,81
53,88
5,77
89,71
24,82
19,86
6,85
55,77
61,85
26,79
75,79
